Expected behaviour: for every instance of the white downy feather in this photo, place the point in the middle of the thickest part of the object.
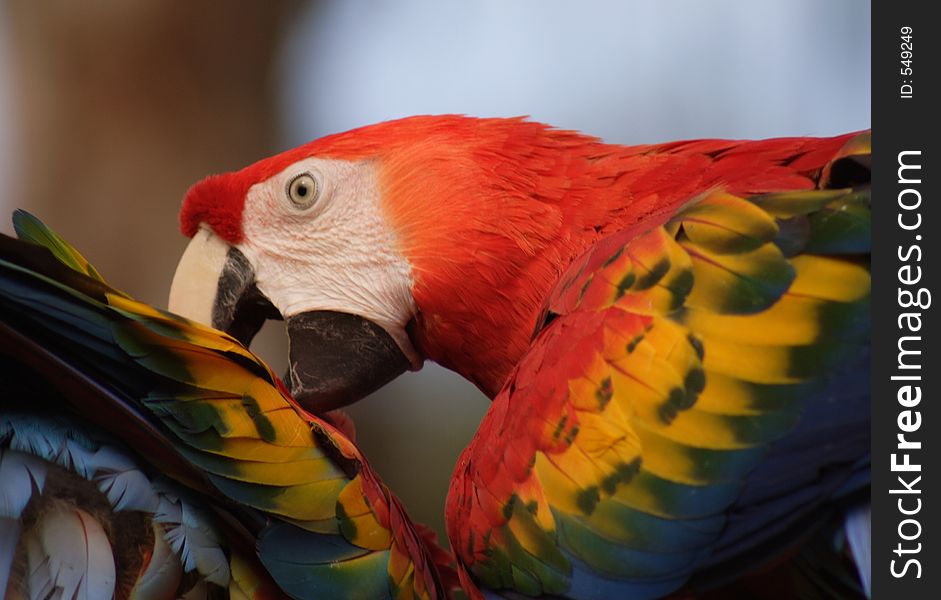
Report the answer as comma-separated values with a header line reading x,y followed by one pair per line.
x,y
162,575
69,557
184,534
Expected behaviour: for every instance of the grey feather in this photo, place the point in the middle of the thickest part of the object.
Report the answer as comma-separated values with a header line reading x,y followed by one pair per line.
x,y
70,557
858,527
190,533
29,443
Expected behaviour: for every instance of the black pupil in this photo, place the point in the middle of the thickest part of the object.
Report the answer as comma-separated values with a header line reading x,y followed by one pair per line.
x,y
301,190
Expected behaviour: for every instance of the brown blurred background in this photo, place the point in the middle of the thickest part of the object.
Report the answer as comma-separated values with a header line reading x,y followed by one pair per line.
x,y
110,109
116,108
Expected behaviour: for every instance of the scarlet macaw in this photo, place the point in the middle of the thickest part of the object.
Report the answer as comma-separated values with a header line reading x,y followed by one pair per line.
x,y
185,470
674,336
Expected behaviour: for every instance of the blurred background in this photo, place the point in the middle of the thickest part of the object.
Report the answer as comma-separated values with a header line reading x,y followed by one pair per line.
x,y
109,110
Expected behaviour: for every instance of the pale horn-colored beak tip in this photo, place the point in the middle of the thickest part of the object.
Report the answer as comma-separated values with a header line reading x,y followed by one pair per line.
x,y
196,281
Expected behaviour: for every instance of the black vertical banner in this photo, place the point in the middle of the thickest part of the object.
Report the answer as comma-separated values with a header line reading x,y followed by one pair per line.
x,y
906,364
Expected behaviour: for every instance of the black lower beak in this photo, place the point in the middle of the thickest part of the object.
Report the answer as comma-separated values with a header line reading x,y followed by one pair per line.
x,y
335,358
338,358
240,309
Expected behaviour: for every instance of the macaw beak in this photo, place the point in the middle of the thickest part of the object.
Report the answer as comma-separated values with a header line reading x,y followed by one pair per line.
x,y
335,358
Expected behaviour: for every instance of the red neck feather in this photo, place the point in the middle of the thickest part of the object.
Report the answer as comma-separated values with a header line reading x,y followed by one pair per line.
x,y
490,212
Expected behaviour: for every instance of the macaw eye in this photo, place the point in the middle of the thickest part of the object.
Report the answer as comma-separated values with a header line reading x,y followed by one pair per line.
x,y
303,191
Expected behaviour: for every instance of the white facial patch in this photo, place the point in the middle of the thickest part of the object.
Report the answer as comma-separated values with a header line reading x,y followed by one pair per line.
x,y
339,254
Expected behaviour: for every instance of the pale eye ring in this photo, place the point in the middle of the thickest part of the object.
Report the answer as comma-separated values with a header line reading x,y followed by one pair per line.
x,y
303,191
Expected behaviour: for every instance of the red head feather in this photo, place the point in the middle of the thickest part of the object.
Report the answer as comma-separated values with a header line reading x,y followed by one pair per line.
x,y
489,212
219,200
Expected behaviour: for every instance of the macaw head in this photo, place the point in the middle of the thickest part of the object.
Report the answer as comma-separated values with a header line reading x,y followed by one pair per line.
x,y
422,238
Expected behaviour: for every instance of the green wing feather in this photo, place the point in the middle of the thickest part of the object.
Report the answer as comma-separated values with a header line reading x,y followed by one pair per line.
x,y
31,229
325,524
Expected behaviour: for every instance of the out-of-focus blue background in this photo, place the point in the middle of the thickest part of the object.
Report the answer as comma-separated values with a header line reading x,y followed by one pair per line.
x,y
628,71
107,114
